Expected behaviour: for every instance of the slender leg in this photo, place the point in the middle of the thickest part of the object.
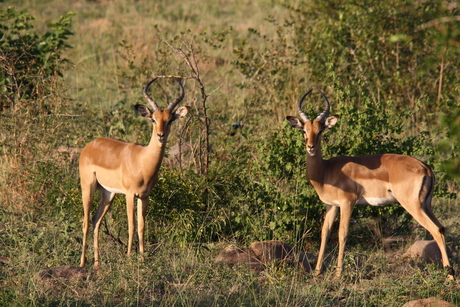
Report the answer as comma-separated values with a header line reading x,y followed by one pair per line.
x,y
87,196
141,211
88,190
345,216
104,205
130,213
434,228
331,212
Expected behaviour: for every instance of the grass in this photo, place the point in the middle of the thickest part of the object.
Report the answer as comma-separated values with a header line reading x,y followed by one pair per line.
x,y
178,276
117,46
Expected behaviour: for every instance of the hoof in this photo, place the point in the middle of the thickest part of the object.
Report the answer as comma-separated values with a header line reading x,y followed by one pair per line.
x,y
317,273
451,273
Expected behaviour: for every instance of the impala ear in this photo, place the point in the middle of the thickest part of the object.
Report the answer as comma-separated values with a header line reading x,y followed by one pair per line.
x,y
143,110
331,121
294,122
181,112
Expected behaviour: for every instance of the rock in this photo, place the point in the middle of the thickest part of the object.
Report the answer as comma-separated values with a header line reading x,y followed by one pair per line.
x,y
260,253
428,302
426,251
234,255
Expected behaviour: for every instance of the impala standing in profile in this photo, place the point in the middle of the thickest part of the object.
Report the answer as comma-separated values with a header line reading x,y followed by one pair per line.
x,y
376,180
113,166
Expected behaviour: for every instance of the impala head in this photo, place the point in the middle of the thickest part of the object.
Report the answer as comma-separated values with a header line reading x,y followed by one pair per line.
x,y
162,119
312,129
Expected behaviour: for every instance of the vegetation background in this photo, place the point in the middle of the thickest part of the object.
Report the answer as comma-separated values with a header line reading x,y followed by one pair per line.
x,y
71,71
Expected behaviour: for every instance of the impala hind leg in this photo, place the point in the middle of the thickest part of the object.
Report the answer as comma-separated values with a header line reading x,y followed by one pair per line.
x,y
87,197
104,205
425,217
331,212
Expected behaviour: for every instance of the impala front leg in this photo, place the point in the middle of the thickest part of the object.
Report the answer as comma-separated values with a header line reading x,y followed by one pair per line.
x,y
141,211
130,212
331,212
345,217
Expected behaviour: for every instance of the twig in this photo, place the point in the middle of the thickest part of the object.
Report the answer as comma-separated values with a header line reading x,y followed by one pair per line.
x,y
174,76
436,22
67,115
107,232
216,89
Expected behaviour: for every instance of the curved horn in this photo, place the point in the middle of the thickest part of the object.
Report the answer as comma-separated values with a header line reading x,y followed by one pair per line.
x,y
302,114
173,104
325,113
149,99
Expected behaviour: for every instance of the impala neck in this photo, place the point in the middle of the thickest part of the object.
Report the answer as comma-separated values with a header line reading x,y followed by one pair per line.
x,y
315,167
154,153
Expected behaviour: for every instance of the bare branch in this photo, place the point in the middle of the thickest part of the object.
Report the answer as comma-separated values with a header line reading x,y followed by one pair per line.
x,y
216,89
175,77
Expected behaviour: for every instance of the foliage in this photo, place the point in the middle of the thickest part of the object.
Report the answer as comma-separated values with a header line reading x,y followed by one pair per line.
x,y
177,209
278,192
29,61
450,144
378,50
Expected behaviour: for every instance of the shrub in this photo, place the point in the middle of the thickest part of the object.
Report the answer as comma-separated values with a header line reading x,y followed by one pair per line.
x,y
29,61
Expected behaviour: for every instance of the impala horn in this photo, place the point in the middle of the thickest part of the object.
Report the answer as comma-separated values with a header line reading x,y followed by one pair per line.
x,y
152,102
302,114
149,99
173,104
325,113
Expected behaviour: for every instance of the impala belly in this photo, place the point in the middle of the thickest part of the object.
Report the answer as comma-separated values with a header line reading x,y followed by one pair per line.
x,y
329,202
112,190
375,192
107,178
377,201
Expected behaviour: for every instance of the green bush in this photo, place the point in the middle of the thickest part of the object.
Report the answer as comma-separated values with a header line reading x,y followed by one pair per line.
x,y
30,61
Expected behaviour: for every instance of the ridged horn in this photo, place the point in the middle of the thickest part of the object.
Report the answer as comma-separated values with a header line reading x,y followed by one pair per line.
x,y
173,104
325,113
302,114
149,99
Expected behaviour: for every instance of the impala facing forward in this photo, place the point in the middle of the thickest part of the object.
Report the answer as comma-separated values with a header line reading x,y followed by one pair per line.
x,y
113,166
375,180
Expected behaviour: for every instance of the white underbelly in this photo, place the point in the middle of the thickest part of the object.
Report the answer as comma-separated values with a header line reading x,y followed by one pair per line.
x,y
374,201
112,190
331,203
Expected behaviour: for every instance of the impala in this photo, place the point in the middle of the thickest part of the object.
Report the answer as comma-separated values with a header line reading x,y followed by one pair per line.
x,y
376,180
116,167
